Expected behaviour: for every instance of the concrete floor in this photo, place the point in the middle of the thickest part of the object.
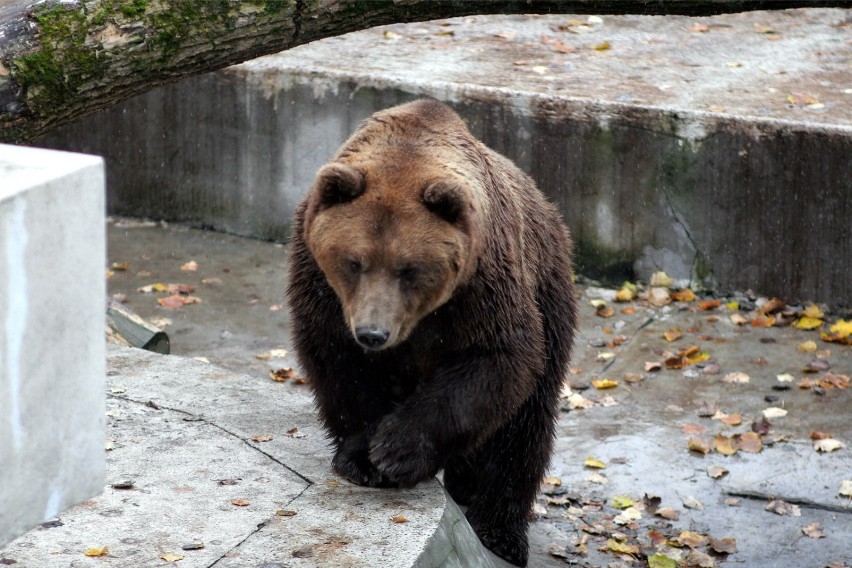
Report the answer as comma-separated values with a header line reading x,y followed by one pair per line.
x,y
639,429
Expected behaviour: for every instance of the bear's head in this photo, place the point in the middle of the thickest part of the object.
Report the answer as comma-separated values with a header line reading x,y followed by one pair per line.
x,y
393,231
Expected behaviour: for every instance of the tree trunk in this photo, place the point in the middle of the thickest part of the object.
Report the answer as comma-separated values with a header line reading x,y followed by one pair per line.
x,y
62,60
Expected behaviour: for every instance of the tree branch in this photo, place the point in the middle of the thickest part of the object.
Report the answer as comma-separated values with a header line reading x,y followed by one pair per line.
x,y
62,60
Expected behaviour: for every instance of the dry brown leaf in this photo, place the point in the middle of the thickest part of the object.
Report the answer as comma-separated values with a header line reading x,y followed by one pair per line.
x,y
693,429
399,519
732,419
725,445
672,334
750,442
684,295
240,502
667,513
691,539
261,438
171,557
190,266
724,545
780,507
658,296
709,304
716,471
282,374
699,445
813,530
97,551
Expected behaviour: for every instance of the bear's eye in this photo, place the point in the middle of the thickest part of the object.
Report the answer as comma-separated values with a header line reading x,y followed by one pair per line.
x,y
354,266
408,274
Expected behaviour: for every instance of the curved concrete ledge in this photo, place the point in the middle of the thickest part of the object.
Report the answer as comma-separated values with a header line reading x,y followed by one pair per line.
x,y
181,431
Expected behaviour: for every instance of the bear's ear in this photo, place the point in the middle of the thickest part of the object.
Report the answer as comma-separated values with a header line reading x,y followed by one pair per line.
x,y
338,183
446,199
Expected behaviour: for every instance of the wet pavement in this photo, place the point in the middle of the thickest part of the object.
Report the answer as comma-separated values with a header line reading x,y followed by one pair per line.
x,y
640,429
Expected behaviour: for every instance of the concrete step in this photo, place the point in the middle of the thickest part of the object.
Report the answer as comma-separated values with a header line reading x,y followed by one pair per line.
x,y
236,469
715,149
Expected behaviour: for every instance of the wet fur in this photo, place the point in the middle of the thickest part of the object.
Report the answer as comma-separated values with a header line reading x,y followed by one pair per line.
x,y
473,387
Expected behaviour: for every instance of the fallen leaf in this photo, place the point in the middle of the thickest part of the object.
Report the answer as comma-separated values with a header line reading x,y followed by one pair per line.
x,y
597,478
763,321
156,287
551,480
828,445
830,381
651,366
772,306
282,374
285,513
212,281
691,539
699,445
272,354
595,463
672,334
784,378
660,561
399,519
604,383
750,442
807,347
661,279
783,508
693,429
621,547
171,557
724,545
732,419
845,488
391,36
667,513
716,471
725,445
261,438
813,530
621,502
700,28
840,332
119,266
737,319
709,304
97,551
698,559
807,323
294,433
659,296
736,377
240,502
626,293
684,295
190,266
605,311
177,301
627,516
691,502
603,46
774,412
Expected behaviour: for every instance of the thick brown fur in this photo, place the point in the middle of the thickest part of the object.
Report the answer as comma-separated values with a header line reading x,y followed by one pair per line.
x,y
433,314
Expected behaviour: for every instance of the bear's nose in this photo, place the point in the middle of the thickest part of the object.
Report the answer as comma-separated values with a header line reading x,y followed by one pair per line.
x,y
371,337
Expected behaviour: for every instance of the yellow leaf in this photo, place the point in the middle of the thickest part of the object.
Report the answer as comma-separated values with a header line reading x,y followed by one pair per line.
x,y
171,557
595,463
841,329
807,347
399,519
808,323
604,383
554,481
621,502
603,46
685,295
724,445
97,551
621,547
673,334
697,357
813,311
733,305
626,293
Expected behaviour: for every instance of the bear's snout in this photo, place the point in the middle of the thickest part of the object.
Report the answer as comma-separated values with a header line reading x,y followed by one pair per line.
x,y
371,337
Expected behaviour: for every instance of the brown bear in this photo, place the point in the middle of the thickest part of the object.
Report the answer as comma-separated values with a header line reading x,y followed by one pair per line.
x,y
433,314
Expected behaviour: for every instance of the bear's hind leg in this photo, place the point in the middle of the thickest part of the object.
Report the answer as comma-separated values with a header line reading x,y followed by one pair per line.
x,y
513,463
461,479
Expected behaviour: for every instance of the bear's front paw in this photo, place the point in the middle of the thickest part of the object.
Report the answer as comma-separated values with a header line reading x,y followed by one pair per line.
x,y
352,462
403,456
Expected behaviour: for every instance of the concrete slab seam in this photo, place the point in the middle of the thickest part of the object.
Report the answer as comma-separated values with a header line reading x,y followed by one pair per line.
x,y
225,430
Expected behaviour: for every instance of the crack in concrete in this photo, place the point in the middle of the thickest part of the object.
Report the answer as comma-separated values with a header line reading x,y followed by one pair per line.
x,y
644,324
683,225
223,429
758,496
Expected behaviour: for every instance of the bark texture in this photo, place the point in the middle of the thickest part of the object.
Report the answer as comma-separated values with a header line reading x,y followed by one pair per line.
x,y
60,60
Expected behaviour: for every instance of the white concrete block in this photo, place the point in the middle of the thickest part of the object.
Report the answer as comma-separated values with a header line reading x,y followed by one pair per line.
x,y
52,347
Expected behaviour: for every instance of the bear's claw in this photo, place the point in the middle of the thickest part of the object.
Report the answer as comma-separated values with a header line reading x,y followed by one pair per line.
x,y
355,465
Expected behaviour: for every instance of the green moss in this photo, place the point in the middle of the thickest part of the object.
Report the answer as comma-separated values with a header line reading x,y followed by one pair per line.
x,y
602,263
133,8
53,74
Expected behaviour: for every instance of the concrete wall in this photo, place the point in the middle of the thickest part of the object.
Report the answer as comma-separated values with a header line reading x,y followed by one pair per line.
x,y
52,348
725,202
